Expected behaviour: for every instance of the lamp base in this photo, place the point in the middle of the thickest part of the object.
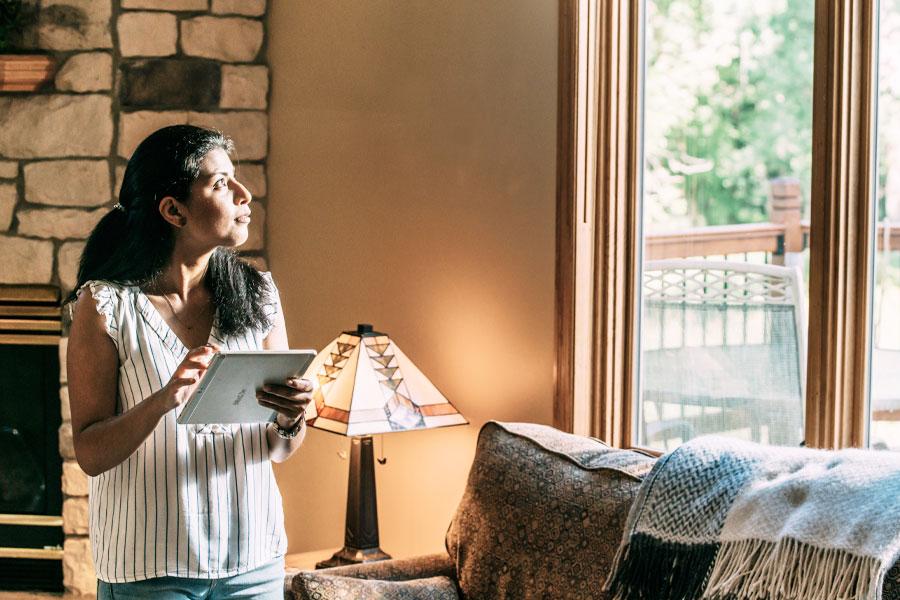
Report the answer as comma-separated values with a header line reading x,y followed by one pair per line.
x,y
353,556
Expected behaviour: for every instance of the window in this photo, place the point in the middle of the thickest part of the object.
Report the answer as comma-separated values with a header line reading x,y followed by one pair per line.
x,y
727,127
691,262
884,406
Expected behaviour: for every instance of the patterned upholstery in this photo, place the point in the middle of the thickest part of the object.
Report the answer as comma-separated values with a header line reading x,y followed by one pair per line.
x,y
313,585
543,513
398,569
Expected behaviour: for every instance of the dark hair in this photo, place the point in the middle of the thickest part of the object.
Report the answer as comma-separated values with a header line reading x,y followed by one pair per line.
x,y
132,243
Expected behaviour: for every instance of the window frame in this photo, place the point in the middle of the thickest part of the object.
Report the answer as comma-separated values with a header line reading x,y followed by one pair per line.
x,y
598,252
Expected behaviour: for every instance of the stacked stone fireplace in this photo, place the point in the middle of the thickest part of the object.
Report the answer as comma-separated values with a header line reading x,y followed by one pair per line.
x,y
123,69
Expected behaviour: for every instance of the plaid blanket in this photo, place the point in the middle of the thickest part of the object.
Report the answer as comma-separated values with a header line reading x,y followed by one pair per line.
x,y
721,519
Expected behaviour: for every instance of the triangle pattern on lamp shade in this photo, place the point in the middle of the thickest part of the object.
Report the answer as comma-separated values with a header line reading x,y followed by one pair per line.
x,y
367,386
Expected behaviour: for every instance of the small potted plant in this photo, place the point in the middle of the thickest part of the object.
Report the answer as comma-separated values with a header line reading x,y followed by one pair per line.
x,y
19,71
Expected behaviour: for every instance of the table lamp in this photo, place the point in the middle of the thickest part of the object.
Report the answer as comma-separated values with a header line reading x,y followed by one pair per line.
x,y
367,386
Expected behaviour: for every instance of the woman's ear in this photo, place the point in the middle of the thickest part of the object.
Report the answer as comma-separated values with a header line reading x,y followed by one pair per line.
x,y
171,211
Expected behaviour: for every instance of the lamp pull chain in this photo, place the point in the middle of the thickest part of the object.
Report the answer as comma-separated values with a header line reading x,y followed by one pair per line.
x,y
381,460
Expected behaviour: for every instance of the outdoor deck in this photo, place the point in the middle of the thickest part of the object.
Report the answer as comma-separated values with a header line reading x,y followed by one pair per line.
x,y
785,241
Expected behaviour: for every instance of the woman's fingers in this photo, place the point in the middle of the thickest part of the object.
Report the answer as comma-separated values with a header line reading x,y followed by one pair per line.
x,y
209,349
285,391
289,400
179,382
185,370
196,360
188,373
193,364
289,410
296,399
284,398
199,356
202,354
304,385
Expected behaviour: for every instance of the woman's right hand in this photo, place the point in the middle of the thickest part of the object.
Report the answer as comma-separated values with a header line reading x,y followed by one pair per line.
x,y
186,376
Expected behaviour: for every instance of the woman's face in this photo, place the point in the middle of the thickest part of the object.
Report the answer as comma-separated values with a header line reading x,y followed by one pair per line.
x,y
218,212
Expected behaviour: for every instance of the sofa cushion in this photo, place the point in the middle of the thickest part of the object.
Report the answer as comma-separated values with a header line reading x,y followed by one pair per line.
x,y
310,585
543,513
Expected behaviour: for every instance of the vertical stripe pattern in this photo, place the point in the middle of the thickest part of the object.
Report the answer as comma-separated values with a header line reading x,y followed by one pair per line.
x,y
191,501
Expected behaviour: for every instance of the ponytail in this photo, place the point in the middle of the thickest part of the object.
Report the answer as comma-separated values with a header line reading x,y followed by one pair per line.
x,y
114,253
108,235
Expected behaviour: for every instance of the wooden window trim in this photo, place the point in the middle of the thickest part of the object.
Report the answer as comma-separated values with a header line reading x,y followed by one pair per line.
x,y
566,98
598,216
841,222
598,220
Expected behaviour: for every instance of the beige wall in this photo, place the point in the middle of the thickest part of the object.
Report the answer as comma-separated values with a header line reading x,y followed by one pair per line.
x,y
412,173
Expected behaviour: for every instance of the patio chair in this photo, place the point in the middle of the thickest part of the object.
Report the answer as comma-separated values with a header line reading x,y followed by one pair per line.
x,y
723,351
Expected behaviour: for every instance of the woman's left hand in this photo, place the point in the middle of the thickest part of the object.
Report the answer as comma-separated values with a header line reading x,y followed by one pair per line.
x,y
289,401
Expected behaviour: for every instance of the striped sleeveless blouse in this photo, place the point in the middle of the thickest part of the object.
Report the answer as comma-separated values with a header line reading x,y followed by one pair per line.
x,y
191,501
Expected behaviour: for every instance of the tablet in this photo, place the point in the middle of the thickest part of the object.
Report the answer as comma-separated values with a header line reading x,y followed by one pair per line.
x,y
227,391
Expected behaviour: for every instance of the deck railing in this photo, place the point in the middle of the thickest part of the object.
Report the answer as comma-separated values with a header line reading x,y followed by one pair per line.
x,y
786,233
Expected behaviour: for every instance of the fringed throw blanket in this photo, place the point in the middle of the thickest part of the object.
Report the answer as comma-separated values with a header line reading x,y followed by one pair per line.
x,y
721,519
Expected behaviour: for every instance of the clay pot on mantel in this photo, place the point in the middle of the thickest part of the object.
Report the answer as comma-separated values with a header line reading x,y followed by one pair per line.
x,y
24,72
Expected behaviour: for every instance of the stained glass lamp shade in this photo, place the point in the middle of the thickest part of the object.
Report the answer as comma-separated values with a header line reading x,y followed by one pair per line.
x,y
366,386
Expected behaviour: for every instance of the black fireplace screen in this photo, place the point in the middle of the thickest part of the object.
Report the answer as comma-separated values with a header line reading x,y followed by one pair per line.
x,y
30,463
23,484
31,467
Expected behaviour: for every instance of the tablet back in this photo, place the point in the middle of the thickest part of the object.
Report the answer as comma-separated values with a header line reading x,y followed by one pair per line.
x,y
227,392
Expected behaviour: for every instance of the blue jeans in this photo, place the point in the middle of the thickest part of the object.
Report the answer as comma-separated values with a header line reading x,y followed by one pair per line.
x,y
265,582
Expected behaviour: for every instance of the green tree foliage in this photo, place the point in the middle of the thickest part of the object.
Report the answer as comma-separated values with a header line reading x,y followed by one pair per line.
x,y
728,106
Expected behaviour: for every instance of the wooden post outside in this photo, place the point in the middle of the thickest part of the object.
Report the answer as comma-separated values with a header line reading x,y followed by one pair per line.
x,y
786,208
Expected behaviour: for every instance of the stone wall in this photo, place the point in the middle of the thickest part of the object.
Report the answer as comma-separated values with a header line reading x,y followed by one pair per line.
x,y
124,69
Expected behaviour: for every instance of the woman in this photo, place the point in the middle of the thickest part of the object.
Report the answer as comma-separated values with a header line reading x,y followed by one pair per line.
x,y
177,511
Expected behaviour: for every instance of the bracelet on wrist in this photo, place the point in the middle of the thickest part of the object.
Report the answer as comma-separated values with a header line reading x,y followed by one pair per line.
x,y
290,432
